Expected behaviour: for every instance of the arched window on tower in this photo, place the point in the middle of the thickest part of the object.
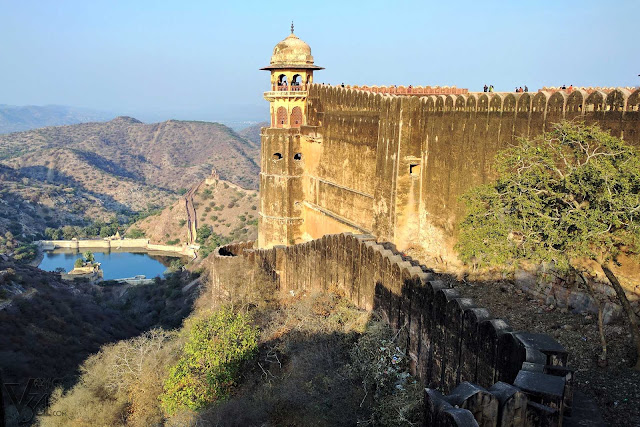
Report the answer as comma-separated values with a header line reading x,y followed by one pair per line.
x,y
296,117
296,83
281,119
282,82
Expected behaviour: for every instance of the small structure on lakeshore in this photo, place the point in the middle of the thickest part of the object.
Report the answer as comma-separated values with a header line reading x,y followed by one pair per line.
x,y
88,270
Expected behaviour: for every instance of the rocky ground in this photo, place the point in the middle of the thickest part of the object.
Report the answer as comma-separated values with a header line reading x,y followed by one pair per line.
x,y
615,388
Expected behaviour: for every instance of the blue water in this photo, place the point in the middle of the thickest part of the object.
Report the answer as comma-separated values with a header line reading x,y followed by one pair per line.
x,y
115,265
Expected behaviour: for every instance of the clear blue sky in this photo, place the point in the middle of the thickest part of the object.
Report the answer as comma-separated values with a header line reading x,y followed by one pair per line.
x,y
199,59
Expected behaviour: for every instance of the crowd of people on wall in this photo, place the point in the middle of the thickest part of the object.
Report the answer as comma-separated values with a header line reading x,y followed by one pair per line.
x,y
520,89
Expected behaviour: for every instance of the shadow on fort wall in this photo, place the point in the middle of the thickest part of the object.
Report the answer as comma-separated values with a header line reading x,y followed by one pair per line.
x,y
455,347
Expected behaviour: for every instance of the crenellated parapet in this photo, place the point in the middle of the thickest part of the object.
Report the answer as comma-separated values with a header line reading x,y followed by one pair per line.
x,y
473,365
446,99
569,90
409,90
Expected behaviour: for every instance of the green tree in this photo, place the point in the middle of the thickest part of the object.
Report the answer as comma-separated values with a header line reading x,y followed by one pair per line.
x,y
88,256
203,233
211,359
79,263
25,252
176,265
571,194
135,233
52,233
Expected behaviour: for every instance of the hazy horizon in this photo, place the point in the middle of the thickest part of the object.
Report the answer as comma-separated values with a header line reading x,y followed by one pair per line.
x,y
200,61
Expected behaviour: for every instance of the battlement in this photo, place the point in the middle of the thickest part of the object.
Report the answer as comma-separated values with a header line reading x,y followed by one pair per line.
x,y
555,100
588,90
394,165
408,90
466,357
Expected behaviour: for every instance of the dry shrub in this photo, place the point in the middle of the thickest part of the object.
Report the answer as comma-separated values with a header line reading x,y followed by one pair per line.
x,y
299,376
379,360
119,385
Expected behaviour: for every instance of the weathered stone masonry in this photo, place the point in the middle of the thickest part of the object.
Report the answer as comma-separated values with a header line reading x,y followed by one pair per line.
x,y
394,165
491,374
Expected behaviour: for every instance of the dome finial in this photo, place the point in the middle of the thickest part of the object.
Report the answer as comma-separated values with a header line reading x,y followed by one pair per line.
x,y
291,27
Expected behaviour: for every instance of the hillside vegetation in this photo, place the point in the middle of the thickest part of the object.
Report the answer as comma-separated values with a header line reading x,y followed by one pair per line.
x,y
225,213
71,175
51,326
252,133
250,355
169,155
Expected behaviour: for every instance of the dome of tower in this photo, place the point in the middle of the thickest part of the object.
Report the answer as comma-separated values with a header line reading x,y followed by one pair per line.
x,y
291,53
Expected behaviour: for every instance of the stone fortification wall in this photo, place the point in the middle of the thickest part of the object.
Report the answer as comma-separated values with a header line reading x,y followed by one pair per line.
x,y
411,90
487,371
394,165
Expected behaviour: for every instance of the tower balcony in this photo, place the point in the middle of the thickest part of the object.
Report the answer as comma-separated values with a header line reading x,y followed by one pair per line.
x,y
286,91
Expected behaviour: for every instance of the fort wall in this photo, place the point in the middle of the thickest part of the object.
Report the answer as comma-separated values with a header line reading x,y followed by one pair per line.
x,y
394,165
466,358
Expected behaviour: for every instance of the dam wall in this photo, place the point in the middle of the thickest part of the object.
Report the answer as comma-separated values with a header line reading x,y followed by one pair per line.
x,y
475,367
143,244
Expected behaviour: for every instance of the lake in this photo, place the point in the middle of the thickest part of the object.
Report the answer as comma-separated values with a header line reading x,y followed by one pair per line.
x,y
114,264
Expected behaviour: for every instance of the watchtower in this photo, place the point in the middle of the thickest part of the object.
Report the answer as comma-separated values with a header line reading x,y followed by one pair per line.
x,y
291,74
281,220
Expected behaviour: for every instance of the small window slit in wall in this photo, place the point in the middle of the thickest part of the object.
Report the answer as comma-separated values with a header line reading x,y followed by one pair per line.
x,y
277,156
297,156
414,170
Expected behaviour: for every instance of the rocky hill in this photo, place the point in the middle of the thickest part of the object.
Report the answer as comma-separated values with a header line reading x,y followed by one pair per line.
x,y
57,175
252,133
20,118
228,211
169,155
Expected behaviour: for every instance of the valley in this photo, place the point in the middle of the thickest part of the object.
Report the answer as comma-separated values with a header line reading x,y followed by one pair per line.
x,y
78,174
94,180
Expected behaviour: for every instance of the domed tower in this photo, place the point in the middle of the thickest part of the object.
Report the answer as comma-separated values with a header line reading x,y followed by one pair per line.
x,y
291,73
281,220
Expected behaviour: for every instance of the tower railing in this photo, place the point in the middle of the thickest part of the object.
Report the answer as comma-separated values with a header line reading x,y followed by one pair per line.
x,y
289,88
